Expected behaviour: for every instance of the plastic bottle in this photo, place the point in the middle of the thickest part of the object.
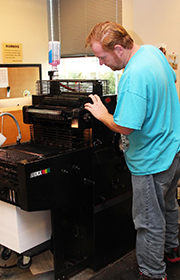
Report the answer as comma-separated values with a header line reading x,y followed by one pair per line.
x,y
54,53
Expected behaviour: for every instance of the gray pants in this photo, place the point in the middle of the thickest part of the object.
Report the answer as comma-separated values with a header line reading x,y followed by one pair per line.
x,y
155,215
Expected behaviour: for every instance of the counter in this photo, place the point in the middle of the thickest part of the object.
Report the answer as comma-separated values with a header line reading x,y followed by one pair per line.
x,y
9,128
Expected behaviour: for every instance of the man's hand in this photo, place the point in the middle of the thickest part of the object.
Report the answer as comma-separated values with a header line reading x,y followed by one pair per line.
x,y
97,109
100,112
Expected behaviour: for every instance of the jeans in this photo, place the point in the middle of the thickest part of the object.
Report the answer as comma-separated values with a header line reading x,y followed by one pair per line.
x,y
155,215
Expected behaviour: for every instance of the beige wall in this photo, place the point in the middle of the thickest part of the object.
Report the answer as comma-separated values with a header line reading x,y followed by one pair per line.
x,y
156,22
127,16
25,22
148,21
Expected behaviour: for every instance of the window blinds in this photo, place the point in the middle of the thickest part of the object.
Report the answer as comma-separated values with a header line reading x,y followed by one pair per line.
x,y
77,17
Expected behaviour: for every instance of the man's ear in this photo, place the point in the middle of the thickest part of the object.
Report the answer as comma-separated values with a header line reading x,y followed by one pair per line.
x,y
118,49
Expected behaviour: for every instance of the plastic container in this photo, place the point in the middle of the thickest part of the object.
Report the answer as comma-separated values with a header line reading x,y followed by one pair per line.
x,y
54,53
2,139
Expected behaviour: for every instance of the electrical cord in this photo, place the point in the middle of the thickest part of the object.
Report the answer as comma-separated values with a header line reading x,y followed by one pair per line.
x,y
10,266
16,122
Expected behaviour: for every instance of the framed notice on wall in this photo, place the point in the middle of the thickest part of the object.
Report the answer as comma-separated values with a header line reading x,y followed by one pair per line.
x,y
3,77
12,53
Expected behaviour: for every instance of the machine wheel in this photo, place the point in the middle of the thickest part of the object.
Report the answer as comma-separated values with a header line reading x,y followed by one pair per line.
x,y
24,262
6,253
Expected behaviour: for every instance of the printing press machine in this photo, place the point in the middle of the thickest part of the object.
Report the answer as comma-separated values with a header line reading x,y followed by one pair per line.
x,y
73,167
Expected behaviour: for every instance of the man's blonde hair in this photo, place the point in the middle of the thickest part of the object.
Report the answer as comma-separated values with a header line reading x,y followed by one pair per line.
x,y
109,34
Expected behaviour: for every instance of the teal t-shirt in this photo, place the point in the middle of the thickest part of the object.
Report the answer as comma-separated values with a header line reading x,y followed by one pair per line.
x,y
148,103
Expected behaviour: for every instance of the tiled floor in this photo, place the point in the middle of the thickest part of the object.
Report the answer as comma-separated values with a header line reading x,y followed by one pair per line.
x,y
119,270
115,271
9,269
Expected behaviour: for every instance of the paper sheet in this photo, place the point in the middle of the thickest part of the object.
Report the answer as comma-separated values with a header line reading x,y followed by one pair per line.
x,y
42,263
3,77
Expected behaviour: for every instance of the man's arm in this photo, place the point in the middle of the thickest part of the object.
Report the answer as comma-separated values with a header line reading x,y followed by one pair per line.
x,y
100,112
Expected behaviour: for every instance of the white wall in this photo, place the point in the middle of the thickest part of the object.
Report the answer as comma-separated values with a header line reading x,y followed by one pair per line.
x,y
158,21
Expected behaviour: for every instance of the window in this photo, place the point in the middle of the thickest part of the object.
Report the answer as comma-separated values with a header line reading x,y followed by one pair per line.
x,y
88,68
77,17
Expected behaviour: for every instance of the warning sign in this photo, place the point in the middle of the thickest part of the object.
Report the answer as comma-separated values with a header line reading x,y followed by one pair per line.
x,y
12,53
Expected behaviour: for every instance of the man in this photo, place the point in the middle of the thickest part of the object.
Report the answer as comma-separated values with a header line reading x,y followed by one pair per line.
x,y
147,116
